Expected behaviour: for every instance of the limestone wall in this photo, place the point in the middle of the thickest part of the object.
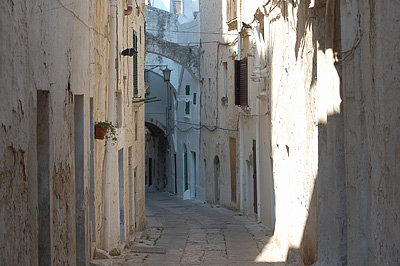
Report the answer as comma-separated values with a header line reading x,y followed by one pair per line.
x,y
329,126
54,73
219,116
370,54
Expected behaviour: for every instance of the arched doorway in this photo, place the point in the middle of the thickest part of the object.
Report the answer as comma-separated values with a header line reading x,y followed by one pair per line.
x,y
156,157
185,169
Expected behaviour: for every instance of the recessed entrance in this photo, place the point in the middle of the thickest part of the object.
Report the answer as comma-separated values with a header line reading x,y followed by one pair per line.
x,y
43,144
121,195
217,171
79,180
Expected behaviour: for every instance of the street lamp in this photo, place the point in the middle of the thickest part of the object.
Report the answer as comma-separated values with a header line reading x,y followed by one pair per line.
x,y
167,74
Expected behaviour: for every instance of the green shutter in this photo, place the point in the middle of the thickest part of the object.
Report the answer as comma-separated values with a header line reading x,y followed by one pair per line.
x,y
135,66
136,124
187,108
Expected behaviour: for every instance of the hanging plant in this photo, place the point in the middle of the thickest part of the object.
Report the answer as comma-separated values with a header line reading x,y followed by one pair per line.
x,y
105,130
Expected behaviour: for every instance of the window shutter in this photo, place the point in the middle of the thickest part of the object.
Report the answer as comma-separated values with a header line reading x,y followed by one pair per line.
x,y
194,98
231,10
136,124
187,107
237,82
243,82
135,66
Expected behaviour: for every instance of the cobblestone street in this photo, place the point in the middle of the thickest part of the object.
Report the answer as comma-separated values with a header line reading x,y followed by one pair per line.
x,y
189,232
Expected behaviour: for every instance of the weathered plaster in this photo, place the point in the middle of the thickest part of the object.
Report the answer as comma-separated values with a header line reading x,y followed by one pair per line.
x,y
61,50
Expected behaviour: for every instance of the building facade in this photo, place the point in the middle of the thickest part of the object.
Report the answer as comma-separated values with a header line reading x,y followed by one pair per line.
x,y
65,193
173,122
311,84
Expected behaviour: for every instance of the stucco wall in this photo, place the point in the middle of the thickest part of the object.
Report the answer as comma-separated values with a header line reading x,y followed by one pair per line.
x,y
59,50
219,116
371,130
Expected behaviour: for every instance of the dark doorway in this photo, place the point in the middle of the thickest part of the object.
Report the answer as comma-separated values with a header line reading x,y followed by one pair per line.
x,y
43,144
157,151
80,180
175,175
185,169
121,194
232,157
217,180
150,172
91,184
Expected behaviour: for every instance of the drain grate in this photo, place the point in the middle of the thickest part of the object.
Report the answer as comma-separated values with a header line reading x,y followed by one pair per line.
x,y
149,250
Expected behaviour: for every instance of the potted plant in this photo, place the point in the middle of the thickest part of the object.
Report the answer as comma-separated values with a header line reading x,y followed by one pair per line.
x,y
105,130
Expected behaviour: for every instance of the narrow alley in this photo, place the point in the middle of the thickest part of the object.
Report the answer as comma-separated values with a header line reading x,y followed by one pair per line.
x,y
200,132
188,232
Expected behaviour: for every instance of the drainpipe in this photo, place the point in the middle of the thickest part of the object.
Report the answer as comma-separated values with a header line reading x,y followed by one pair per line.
x,y
110,153
241,141
258,161
128,11
217,84
257,41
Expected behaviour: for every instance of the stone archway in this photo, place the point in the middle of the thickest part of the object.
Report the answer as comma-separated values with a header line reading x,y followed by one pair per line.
x,y
187,56
156,156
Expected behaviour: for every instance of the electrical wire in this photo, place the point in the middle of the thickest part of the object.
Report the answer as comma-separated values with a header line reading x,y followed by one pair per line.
x,y
194,32
75,16
356,42
209,128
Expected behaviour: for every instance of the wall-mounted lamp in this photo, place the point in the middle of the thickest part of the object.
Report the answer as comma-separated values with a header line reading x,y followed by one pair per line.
x,y
129,52
167,74
166,71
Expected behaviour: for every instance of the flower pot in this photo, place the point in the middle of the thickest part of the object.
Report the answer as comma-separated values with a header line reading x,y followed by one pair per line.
x,y
100,131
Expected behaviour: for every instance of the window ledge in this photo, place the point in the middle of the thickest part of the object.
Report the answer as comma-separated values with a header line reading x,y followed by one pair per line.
x,y
138,101
232,24
262,96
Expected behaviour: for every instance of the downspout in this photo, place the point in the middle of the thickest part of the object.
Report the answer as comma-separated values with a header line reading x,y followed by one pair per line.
x,y
258,161
217,84
257,41
109,180
241,144
128,11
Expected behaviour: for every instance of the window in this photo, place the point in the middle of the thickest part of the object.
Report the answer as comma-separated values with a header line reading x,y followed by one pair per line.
x,y
119,109
194,98
225,77
241,82
178,7
231,14
135,66
224,98
187,107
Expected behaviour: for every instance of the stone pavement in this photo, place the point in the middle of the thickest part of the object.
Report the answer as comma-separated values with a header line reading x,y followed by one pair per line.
x,y
188,232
